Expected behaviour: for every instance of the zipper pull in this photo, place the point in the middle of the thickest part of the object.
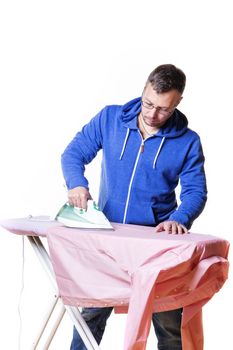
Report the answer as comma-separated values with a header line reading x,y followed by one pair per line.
x,y
142,147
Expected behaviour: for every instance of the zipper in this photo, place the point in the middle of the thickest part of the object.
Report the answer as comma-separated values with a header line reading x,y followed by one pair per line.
x,y
143,142
141,150
142,146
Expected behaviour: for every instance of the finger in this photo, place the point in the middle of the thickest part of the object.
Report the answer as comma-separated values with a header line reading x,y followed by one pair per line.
x,y
174,228
84,197
83,202
168,227
180,229
185,230
78,202
159,228
73,199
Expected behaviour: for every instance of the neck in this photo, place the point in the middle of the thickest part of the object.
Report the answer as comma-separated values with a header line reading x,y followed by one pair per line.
x,y
146,130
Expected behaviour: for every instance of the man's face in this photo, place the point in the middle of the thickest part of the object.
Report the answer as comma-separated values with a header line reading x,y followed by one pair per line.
x,y
158,108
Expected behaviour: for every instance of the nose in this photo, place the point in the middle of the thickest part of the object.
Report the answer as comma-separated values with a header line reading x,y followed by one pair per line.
x,y
153,112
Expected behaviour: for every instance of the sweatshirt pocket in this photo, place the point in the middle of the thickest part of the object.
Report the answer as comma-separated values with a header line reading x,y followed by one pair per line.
x,y
140,214
137,214
114,210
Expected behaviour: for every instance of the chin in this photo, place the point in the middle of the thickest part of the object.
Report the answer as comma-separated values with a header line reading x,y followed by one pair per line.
x,y
153,125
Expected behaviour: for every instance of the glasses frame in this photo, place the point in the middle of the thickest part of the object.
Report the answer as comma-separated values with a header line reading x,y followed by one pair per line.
x,y
160,110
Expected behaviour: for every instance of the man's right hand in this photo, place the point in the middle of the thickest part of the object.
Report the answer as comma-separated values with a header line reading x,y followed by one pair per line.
x,y
79,196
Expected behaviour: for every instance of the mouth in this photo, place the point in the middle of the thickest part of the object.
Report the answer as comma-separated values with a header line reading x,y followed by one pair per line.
x,y
151,121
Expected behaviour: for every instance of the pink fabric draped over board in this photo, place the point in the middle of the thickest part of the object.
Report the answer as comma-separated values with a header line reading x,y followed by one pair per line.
x,y
140,272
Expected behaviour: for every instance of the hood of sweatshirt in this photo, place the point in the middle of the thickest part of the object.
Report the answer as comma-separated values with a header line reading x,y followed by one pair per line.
x,y
175,126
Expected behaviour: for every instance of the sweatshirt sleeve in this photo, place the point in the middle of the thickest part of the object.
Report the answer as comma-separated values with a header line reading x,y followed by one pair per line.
x,y
81,150
193,194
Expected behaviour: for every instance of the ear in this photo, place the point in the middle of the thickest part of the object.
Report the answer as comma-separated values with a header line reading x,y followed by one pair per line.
x,y
181,97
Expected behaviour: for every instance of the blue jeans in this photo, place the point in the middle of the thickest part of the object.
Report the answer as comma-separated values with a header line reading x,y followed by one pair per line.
x,y
166,324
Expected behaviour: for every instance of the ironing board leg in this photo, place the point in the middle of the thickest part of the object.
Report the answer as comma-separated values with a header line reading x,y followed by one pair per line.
x,y
73,312
44,325
54,329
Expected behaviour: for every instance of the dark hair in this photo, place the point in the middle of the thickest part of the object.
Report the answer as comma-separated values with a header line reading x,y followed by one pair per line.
x,y
167,77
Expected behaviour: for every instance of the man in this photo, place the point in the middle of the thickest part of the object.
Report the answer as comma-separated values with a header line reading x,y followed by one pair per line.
x,y
147,148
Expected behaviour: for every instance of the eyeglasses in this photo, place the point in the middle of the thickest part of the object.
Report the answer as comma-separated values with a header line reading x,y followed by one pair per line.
x,y
161,110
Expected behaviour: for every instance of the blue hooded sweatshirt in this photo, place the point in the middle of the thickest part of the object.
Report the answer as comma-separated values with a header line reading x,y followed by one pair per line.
x,y
139,177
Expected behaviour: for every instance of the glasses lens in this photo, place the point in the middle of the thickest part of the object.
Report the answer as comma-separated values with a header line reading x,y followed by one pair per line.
x,y
158,109
147,105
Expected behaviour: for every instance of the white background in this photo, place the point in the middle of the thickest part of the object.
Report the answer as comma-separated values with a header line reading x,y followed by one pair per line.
x,y
60,63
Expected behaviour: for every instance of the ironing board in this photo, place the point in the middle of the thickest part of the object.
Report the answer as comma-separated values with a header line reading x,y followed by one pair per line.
x,y
35,228
132,269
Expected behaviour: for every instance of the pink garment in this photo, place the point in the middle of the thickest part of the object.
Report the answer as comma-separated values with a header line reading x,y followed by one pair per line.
x,y
137,270
141,271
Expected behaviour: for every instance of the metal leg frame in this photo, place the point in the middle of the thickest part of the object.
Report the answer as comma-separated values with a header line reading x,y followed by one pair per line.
x,y
72,311
45,323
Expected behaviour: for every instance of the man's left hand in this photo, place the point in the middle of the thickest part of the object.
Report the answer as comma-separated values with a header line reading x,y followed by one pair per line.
x,y
172,227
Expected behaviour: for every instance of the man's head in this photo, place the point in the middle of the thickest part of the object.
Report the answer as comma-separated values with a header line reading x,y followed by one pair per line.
x,y
162,94
167,77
